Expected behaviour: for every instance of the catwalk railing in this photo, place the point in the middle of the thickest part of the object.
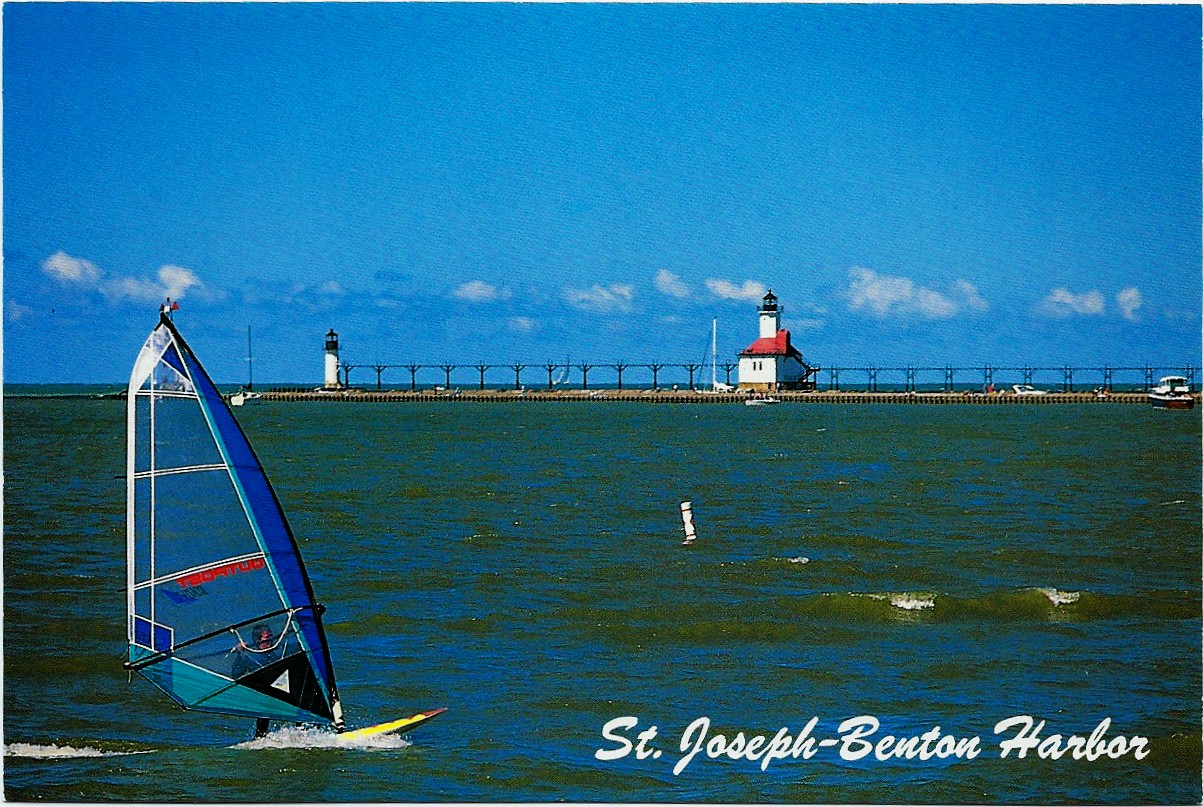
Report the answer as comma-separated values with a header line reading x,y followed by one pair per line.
x,y
655,375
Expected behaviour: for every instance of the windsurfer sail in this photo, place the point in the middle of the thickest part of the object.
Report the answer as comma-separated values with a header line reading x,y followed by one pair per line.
x,y
221,614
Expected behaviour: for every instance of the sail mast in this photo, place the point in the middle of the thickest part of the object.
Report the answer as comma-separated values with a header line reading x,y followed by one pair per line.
x,y
250,362
714,355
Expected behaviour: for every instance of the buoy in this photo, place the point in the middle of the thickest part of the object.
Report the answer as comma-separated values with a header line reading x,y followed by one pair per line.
x,y
687,522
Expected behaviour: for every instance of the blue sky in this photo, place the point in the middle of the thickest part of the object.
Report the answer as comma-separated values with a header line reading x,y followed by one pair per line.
x,y
499,183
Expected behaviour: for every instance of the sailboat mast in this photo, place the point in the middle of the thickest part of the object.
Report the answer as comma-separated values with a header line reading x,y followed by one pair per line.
x,y
250,362
714,354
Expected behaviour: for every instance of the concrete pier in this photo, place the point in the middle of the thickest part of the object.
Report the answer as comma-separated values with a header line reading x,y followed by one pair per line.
x,y
697,397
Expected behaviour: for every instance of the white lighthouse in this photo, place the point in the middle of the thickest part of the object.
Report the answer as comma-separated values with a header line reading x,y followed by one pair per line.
x,y
331,361
772,362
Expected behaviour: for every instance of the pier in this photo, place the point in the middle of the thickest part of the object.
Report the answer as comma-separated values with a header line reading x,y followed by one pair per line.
x,y
665,383
648,396
871,378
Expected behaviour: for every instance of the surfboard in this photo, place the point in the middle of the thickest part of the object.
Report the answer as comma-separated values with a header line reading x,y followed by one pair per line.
x,y
392,727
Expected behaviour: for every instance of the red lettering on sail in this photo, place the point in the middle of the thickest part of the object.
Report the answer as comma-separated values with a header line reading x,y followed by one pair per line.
x,y
209,575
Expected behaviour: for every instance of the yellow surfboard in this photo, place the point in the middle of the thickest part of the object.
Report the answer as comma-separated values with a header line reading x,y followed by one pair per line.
x,y
359,735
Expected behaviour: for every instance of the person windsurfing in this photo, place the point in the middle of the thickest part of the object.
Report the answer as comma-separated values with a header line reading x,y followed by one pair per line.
x,y
248,658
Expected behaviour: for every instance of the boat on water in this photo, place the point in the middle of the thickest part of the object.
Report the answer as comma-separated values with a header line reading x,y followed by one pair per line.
x,y
221,615
1172,392
767,400
716,386
246,395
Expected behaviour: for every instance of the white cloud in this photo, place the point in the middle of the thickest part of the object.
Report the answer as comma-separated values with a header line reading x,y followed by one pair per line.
x,y
478,291
1061,302
671,284
1129,300
64,268
887,295
750,290
173,282
522,324
16,312
970,296
615,298
331,287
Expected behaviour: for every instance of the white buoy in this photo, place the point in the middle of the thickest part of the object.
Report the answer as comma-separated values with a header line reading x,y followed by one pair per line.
x,y
687,522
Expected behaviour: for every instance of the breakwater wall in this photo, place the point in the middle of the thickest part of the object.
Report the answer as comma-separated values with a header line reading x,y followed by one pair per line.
x,y
697,397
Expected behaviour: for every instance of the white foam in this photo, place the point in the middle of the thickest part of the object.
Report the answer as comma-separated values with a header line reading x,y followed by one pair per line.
x,y
913,602
906,601
1060,597
52,751
313,737
799,559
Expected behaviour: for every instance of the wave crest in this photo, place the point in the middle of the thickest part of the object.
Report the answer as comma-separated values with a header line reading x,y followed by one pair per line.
x,y
54,751
313,737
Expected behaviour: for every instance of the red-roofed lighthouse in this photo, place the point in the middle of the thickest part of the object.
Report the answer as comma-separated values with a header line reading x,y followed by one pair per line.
x,y
771,362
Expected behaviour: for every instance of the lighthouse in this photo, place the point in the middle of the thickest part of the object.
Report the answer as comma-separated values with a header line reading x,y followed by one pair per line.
x,y
772,362
331,361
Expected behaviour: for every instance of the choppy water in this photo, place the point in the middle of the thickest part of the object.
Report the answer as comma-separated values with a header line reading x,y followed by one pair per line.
x,y
522,565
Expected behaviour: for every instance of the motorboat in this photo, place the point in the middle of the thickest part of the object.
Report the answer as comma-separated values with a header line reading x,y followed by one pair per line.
x,y
1172,392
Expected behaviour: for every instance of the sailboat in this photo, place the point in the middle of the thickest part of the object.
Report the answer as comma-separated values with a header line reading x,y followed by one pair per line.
x,y
246,394
562,378
221,614
716,386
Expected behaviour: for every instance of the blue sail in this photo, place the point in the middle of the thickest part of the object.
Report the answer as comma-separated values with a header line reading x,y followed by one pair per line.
x,y
222,616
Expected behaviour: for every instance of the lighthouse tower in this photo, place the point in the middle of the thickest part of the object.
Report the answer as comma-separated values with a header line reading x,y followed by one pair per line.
x,y
331,361
770,316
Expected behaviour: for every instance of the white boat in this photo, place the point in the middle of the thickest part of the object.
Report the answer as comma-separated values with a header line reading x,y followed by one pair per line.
x,y
221,615
1172,392
245,395
716,386
562,378
766,401
1027,389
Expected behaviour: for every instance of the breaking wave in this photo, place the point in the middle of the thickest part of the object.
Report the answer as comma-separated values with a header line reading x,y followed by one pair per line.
x,y
54,751
1060,597
313,737
907,601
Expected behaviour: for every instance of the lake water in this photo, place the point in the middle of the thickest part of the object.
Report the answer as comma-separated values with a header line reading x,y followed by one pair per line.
x,y
522,565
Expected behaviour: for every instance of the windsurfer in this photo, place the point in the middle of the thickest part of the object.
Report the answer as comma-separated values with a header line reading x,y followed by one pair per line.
x,y
247,659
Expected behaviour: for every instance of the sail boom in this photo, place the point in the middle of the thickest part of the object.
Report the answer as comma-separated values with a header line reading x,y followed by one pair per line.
x,y
162,655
